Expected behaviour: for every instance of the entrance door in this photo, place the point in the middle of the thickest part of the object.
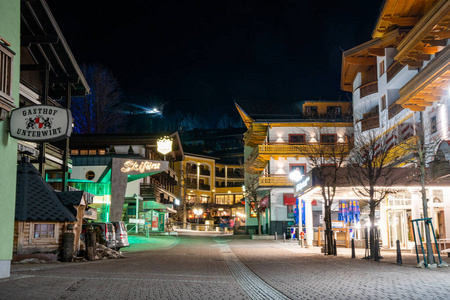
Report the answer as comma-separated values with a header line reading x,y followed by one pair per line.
x,y
397,228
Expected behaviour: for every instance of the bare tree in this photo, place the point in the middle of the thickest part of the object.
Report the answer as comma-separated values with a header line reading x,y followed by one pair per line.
x,y
421,149
251,196
371,172
98,112
326,158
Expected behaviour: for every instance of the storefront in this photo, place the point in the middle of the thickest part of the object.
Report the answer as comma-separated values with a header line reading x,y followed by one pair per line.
x,y
392,217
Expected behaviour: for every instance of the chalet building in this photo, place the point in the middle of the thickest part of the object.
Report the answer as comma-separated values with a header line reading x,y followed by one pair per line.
x,y
36,67
400,82
93,157
274,137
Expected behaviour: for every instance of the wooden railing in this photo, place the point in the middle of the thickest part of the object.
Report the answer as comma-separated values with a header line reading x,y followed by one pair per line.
x,y
393,70
394,109
370,123
368,89
274,180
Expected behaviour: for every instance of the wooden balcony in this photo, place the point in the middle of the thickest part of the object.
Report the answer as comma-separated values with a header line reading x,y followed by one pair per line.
x,y
275,180
368,89
394,109
393,70
370,123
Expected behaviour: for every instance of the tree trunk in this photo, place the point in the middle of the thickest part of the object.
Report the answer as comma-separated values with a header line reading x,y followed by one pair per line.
x,y
328,230
430,256
372,230
259,221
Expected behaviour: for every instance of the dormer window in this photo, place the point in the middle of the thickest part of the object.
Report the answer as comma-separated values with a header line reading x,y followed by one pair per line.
x,y
311,111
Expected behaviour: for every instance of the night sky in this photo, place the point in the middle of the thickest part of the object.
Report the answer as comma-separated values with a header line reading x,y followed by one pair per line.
x,y
197,56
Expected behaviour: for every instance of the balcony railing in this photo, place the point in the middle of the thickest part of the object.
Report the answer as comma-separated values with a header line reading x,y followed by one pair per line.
x,y
220,174
205,172
205,187
275,180
370,122
394,109
393,70
368,89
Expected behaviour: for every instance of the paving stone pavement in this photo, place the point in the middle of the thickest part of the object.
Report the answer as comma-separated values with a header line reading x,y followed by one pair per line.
x,y
227,267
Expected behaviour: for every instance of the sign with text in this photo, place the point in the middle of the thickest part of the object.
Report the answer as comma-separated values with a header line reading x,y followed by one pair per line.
x,y
137,221
140,166
40,123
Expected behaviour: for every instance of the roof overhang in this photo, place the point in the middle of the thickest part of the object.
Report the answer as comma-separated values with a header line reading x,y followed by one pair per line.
x,y
41,35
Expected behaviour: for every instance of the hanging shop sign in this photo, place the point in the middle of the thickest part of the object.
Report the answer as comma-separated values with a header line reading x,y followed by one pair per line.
x,y
40,123
164,145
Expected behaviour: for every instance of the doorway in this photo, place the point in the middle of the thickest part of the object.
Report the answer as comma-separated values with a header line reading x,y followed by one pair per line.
x,y
397,228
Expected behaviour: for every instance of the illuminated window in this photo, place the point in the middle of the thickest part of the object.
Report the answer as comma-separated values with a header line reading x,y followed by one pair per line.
x,y
74,152
90,175
92,152
84,152
44,231
225,199
101,152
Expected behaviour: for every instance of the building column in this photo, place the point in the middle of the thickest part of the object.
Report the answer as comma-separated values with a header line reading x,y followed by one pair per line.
x,y
309,223
383,224
447,212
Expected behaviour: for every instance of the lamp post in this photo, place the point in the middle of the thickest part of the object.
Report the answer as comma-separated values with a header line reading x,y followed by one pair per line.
x,y
295,176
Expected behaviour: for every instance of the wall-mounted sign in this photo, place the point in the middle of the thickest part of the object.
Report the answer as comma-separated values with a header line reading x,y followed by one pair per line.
x,y
302,184
142,167
40,123
164,145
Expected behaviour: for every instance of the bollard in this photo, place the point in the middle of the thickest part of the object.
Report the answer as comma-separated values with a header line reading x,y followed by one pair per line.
x,y
284,237
91,244
276,237
334,248
376,257
67,246
353,248
399,254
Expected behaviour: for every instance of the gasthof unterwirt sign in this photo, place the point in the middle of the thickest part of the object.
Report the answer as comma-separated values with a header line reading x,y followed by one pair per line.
x,y
40,123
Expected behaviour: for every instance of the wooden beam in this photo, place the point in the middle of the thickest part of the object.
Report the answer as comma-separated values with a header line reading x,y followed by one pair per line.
x,y
419,56
413,63
426,50
442,34
402,21
376,51
420,102
436,92
370,60
435,43
413,107
428,97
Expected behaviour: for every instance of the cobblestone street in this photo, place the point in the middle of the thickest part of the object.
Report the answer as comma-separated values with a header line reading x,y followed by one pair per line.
x,y
228,267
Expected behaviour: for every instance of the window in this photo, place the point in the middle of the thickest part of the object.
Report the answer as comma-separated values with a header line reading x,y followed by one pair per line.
x,y
90,175
74,152
44,231
433,125
311,111
84,152
225,199
299,167
333,111
290,211
383,102
101,152
381,68
328,138
296,139
92,152
6,66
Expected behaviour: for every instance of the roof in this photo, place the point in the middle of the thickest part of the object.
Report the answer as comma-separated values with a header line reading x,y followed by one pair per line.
x,y
69,199
271,110
36,199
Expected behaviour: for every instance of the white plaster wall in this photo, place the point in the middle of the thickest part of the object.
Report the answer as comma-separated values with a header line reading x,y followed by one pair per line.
x,y
281,165
278,211
133,187
79,172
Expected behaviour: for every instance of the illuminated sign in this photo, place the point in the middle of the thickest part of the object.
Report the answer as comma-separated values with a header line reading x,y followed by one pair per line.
x,y
164,145
142,167
302,184
40,123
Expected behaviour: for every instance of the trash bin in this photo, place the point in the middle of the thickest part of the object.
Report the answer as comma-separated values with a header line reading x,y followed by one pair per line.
x,y
292,232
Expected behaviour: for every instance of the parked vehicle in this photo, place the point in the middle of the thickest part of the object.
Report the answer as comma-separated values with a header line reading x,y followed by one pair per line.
x,y
121,235
107,230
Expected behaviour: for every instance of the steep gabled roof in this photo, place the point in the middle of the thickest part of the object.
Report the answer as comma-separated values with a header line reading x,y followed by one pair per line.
x,y
69,199
35,199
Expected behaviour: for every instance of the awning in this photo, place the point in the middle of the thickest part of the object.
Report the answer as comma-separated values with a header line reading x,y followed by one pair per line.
x,y
289,199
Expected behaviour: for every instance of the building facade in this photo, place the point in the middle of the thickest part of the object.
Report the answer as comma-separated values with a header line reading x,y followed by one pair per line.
x,y
400,85
273,149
